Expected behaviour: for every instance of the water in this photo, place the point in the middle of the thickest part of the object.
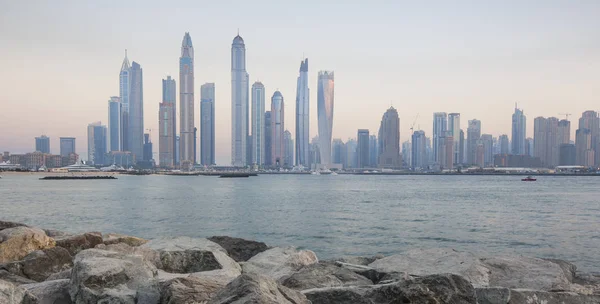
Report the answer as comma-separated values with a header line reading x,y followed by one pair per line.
x,y
556,217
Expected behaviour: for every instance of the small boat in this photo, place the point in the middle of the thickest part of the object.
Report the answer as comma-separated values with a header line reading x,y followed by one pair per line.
x,y
528,179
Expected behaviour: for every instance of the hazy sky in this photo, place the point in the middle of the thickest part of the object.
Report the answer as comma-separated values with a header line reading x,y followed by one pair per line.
x,y
60,60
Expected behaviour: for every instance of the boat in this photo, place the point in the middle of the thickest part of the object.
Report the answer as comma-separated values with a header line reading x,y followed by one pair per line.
x,y
315,173
237,174
528,179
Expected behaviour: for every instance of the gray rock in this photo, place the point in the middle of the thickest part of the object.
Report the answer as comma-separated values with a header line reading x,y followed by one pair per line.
x,y
492,295
40,264
375,276
13,294
51,292
56,233
279,263
183,243
13,278
65,274
148,254
17,242
522,296
101,276
188,290
6,225
324,274
76,243
255,288
240,250
527,273
115,238
358,260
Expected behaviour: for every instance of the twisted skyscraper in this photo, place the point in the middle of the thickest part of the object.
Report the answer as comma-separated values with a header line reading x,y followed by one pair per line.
x,y
302,115
325,114
239,102
186,101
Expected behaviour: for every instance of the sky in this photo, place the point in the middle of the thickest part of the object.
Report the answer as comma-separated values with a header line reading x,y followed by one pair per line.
x,y
60,60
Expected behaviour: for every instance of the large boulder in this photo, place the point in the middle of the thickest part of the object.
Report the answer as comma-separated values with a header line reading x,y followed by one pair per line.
x,y
188,290
440,288
324,274
501,295
148,254
17,242
279,263
13,294
115,238
422,262
358,260
13,278
40,264
528,273
50,292
6,225
76,243
255,288
240,250
101,276
65,274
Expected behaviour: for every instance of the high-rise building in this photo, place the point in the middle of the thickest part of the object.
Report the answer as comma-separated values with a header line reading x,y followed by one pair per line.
x,y
373,152
114,123
529,146
419,151
583,148
454,130
302,115
207,124
96,134
568,155
277,129
195,145
288,153
488,150
239,103
124,92
461,147
473,136
166,136
440,128
147,147
136,112
406,149
504,149
186,102
519,123
268,142
177,145
446,152
169,95
389,140
539,138
67,146
363,149
480,154
325,101
589,120
258,123
315,153
338,152
564,132
546,140
351,156
42,144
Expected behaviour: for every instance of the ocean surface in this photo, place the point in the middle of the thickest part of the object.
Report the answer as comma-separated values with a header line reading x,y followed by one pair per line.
x,y
555,217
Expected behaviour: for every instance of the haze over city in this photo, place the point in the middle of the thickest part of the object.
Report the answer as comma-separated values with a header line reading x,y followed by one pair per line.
x,y
60,61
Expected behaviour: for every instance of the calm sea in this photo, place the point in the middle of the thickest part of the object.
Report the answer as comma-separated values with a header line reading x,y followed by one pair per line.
x,y
557,217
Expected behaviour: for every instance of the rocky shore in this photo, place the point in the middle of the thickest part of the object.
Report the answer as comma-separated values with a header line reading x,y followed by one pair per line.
x,y
54,267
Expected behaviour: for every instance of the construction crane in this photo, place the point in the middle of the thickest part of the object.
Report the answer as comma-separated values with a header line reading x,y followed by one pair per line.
x,y
414,122
566,115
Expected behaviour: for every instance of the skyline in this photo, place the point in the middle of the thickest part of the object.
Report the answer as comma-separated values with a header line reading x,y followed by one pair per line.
x,y
549,74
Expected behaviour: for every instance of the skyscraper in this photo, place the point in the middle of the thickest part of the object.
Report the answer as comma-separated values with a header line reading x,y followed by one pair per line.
x,y
166,136
539,138
258,123
114,123
389,140
136,112
288,147
454,131
363,148
96,134
277,129
488,150
67,146
568,155
42,144
504,149
583,148
552,142
147,148
589,120
325,100
351,148
338,152
207,124
268,134
239,102
564,132
169,95
446,152
473,136
440,127
461,147
186,100
518,132
302,115
407,153
124,91
373,154
419,151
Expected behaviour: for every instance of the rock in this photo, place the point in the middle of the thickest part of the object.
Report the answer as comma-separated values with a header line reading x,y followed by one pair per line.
x,y
375,276
6,225
587,283
188,290
240,250
148,254
56,233
324,274
40,264
111,277
441,288
13,278
65,274
279,263
528,273
492,295
77,243
422,262
183,243
17,242
114,238
358,260
519,296
51,292
256,288
13,294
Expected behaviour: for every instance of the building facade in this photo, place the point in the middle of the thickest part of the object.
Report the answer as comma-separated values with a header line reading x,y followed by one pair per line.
x,y
504,144
363,148
207,124
519,124
277,130
239,103
268,142
124,92
389,140
42,144
114,123
302,115
454,131
589,120
136,111
67,146
440,128
288,147
325,102
186,102
473,137
419,151
258,123
169,95
166,136
96,134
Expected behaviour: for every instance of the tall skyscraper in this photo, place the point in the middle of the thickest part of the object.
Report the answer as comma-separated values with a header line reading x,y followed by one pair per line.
x,y
96,134
124,91
363,149
568,155
552,143
169,95
454,131
419,151
67,146
389,140
268,144
42,144
136,112
302,115
258,123
589,120
239,103
461,147
147,148
488,150
440,128
166,136
529,146
539,138
325,100
564,132
373,152
114,123
504,149
207,124
518,132
277,129
446,152
351,159
186,101
583,148
177,145
288,147
338,152
407,153
473,136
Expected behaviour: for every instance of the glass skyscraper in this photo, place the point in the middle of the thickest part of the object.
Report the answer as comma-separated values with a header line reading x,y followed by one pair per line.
x,y
277,129
67,146
42,144
258,124
124,91
239,103
96,134
186,100
136,112
518,132
207,124
114,124
325,100
440,127
302,115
